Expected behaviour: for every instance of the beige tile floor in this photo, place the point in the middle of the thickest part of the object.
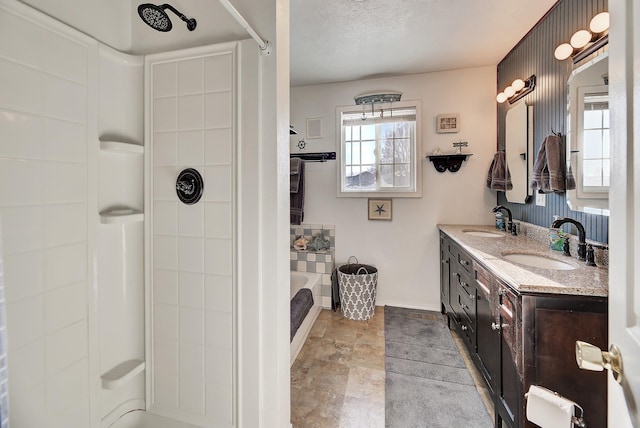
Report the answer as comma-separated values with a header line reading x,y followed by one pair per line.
x,y
338,379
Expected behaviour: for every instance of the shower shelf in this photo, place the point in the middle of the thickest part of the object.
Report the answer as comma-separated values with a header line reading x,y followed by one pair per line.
x,y
121,216
121,147
121,374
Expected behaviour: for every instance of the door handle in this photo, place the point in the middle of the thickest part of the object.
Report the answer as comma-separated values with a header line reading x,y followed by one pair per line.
x,y
590,357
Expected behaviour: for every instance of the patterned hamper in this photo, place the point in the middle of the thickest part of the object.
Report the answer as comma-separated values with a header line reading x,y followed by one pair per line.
x,y
357,290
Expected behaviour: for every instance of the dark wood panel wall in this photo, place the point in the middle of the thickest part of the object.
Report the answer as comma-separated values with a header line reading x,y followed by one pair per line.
x,y
534,55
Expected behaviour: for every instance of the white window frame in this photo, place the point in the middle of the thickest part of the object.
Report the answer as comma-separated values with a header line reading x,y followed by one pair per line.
x,y
416,153
583,191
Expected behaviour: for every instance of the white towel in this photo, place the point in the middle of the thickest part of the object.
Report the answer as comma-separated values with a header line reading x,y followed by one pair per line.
x,y
549,410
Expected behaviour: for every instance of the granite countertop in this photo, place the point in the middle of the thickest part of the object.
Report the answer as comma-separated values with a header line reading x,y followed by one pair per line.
x,y
583,281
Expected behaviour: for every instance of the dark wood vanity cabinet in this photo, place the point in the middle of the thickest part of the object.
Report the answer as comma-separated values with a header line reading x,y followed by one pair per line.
x,y
521,339
444,274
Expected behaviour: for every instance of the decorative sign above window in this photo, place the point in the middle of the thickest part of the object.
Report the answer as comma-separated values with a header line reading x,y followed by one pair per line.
x,y
379,97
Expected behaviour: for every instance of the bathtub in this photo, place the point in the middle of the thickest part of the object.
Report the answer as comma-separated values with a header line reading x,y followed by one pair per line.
x,y
305,280
142,419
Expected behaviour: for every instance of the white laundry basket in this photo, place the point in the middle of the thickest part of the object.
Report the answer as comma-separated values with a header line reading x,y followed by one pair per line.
x,y
357,284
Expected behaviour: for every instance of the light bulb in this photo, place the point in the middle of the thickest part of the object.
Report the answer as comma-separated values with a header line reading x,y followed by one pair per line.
x,y
563,51
509,91
580,39
501,97
600,23
518,84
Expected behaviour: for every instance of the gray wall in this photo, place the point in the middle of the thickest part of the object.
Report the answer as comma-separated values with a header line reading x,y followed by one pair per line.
x,y
534,55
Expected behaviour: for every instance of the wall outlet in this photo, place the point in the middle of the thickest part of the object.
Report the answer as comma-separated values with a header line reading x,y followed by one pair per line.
x,y
541,199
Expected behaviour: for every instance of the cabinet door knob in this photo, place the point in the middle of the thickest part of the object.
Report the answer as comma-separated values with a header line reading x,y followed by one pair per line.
x,y
590,357
496,326
464,327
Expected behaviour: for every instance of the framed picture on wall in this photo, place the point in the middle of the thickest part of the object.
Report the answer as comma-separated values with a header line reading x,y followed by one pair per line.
x,y
379,209
447,123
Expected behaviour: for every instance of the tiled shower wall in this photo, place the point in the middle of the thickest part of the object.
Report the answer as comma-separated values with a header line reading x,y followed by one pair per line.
x,y
193,279
47,81
322,262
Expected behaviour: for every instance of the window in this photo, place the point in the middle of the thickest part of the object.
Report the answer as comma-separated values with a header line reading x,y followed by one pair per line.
x,y
379,150
595,154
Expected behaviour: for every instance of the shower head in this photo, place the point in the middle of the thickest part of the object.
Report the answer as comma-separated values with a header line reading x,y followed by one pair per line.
x,y
156,17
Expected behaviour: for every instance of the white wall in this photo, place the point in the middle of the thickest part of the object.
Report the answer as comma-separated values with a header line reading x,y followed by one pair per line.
x,y
107,21
405,250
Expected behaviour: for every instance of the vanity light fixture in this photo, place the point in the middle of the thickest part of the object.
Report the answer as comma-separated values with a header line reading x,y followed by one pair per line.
x,y
518,89
585,42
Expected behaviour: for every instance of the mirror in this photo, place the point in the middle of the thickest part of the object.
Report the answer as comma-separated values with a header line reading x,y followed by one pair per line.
x,y
518,150
588,148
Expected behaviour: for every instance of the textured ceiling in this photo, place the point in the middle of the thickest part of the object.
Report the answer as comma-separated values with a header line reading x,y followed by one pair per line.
x,y
340,40
331,40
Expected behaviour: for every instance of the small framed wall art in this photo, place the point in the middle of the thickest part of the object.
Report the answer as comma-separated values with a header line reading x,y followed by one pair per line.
x,y
447,123
379,208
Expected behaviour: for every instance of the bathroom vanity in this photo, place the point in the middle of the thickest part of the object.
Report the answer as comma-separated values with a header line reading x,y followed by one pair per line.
x,y
520,323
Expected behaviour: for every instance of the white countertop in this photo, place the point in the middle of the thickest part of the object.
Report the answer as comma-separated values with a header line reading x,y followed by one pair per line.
x,y
583,281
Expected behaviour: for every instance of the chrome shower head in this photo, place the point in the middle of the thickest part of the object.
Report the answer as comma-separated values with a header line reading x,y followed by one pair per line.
x,y
156,17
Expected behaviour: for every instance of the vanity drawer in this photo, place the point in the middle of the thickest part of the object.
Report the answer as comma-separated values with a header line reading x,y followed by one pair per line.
x,y
467,327
465,261
468,305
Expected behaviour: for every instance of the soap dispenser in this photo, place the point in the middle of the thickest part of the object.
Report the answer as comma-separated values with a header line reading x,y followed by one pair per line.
x,y
500,221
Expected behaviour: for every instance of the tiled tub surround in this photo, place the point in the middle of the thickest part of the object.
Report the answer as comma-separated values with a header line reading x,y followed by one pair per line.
x,y
321,262
584,280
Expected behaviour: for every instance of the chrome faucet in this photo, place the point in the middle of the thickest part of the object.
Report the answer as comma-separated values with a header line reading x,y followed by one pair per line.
x,y
582,244
510,227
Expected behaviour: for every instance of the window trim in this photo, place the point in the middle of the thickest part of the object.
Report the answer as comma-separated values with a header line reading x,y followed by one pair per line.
x,y
582,191
416,154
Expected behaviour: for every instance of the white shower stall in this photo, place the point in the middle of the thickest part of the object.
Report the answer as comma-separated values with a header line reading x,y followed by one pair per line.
x,y
119,297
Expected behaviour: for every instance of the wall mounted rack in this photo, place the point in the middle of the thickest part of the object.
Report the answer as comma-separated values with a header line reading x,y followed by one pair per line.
x,y
315,157
448,162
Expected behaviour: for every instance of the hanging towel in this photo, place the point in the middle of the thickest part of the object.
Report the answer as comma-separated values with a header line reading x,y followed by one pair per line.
x,y
296,191
294,180
548,169
499,177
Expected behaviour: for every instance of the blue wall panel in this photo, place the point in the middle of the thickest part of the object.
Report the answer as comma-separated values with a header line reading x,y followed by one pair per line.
x,y
534,55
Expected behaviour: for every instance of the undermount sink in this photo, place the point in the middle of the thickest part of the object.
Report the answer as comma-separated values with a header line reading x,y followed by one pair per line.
x,y
535,260
483,234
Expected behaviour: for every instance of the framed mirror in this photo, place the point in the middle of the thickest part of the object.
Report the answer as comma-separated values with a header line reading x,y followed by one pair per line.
x,y
588,147
518,151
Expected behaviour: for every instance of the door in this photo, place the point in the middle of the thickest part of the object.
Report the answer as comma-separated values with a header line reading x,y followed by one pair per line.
x,y
624,195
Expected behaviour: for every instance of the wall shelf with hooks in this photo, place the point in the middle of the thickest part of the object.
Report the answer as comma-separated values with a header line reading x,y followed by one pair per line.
x,y
451,162
315,157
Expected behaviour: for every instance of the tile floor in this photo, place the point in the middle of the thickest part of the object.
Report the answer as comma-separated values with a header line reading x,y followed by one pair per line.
x,y
338,379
